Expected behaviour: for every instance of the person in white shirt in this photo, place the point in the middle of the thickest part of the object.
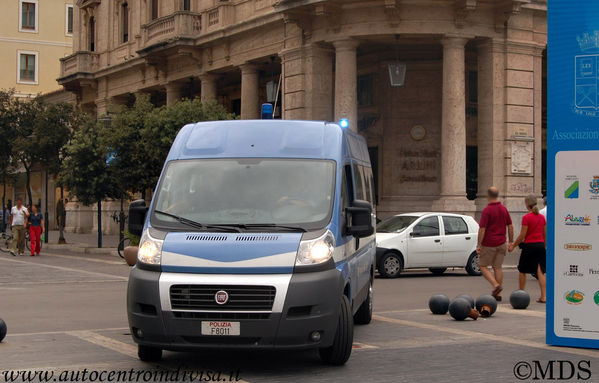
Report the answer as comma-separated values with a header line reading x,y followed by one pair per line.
x,y
18,221
544,209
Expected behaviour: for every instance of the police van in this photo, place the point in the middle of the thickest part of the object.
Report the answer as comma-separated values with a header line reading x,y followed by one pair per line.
x,y
260,235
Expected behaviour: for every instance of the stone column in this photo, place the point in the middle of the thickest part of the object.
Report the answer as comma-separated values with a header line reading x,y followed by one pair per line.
x,y
173,92
209,90
101,106
346,81
491,120
250,82
453,126
307,83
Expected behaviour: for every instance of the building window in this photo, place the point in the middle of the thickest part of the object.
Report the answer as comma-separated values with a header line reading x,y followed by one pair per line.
x,y
154,10
69,20
187,5
124,22
28,16
27,72
366,90
92,34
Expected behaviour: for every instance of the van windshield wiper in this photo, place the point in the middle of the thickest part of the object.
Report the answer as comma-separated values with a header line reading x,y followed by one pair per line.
x,y
260,225
198,225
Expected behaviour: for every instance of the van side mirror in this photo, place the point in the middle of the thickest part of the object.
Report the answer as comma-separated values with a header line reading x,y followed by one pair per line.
x,y
137,217
360,219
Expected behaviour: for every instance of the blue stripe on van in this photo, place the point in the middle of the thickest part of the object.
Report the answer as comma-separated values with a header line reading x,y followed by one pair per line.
x,y
231,250
228,270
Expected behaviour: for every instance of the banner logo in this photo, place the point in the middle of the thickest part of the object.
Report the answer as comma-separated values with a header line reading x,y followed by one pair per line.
x,y
572,220
571,187
574,297
578,246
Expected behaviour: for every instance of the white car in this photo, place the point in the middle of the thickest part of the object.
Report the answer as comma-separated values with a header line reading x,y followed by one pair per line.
x,y
426,240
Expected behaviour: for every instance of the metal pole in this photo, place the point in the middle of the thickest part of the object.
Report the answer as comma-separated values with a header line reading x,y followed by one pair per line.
x,y
121,221
63,215
46,212
99,223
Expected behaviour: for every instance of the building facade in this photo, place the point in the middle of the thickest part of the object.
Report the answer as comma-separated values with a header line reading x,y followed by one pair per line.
x,y
448,93
34,36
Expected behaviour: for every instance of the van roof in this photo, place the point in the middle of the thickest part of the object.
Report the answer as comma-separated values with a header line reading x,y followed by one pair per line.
x,y
267,139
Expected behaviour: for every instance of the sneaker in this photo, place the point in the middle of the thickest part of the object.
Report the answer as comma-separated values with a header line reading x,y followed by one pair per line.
x,y
13,253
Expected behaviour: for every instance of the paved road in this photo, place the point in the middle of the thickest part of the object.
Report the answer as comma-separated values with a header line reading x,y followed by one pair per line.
x,y
67,312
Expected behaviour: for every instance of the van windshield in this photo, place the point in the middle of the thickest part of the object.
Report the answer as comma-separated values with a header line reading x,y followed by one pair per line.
x,y
287,192
395,224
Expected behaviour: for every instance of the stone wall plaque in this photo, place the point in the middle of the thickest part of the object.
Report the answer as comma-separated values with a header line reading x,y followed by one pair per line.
x,y
522,153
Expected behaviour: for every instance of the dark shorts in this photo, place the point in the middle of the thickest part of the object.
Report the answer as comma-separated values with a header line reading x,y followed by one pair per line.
x,y
533,255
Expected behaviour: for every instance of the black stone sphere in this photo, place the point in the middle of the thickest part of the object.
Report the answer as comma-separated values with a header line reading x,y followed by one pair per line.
x,y
439,304
459,309
486,305
2,330
519,299
468,298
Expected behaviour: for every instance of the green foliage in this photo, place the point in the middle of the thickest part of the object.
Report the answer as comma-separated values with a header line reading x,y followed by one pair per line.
x,y
142,136
132,237
85,172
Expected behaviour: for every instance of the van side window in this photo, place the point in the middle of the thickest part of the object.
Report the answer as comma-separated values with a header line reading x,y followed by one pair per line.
x,y
344,193
348,183
359,181
368,185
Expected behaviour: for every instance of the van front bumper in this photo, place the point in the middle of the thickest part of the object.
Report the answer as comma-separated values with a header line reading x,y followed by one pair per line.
x,y
311,303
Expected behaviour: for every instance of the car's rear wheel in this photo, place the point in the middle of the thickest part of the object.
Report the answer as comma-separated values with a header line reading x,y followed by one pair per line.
x,y
148,353
364,313
340,351
391,265
472,266
438,270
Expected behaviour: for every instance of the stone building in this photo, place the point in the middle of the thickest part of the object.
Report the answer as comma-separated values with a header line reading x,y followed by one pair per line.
x,y
448,93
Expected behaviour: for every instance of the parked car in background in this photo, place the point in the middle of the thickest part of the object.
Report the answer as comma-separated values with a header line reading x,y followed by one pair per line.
x,y
426,240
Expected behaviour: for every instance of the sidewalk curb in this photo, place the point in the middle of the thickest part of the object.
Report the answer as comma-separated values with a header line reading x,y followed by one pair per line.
x,y
81,249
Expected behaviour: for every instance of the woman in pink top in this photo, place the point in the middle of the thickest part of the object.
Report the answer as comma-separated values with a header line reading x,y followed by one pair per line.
x,y
532,241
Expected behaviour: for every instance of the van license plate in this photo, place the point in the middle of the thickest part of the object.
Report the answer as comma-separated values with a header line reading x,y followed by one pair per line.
x,y
220,328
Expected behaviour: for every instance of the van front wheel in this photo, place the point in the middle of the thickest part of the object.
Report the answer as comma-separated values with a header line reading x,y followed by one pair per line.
x,y
340,351
364,313
149,354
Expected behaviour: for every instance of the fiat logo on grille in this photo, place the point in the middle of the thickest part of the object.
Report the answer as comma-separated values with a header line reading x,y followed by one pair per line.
x,y
221,297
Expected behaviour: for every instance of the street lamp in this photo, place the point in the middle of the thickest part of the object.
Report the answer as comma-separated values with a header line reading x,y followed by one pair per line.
x,y
63,211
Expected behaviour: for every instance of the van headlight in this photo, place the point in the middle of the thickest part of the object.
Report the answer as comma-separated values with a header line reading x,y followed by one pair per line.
x,y
316,251
150,249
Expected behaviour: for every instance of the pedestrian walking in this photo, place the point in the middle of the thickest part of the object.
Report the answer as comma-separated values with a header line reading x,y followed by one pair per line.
x,y
36,228
543,211
492,246
532,240
18,221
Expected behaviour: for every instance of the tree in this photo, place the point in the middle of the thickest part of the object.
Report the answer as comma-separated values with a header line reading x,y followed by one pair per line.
x,y
25,116
7,135
85,172
161,126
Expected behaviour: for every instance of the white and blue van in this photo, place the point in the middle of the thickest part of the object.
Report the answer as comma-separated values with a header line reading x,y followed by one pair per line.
x,y
260,235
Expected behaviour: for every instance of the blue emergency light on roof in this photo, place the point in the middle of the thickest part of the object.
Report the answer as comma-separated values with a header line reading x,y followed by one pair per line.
x,y
344,123
267,111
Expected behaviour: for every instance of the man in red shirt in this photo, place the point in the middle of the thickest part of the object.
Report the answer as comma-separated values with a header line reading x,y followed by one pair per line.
x,y
492,246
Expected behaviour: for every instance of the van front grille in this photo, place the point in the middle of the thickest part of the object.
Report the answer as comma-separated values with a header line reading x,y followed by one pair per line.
x,y
241,298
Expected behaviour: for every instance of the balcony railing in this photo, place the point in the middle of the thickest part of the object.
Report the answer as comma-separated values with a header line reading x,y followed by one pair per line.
x,y
177,25
79,62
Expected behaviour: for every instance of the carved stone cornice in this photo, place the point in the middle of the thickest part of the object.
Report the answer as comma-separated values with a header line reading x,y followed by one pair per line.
x,y
463,8
505,9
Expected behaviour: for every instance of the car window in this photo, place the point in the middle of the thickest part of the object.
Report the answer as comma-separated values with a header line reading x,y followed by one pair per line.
x,y
427,227
455,225
359,181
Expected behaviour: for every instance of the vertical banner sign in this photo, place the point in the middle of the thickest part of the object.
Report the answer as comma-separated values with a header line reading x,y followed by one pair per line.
x,y
573,173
